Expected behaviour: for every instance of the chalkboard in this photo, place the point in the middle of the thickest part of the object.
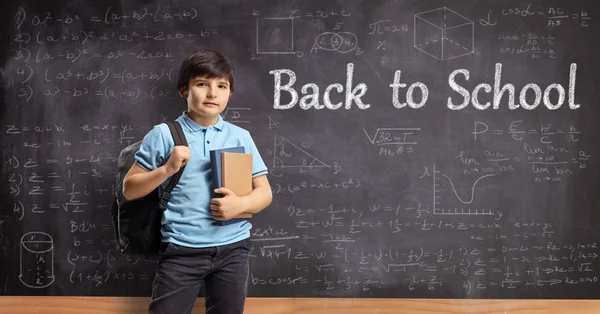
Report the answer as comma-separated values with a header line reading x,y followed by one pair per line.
x,y
419,149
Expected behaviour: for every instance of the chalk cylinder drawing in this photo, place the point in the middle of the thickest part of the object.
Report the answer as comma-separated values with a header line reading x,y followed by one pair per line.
x,y
37,260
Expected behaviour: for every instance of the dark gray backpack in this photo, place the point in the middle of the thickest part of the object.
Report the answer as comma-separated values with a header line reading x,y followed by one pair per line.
x,y
137,223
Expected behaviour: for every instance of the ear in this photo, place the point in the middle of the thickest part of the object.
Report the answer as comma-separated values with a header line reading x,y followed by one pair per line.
x,y
183,92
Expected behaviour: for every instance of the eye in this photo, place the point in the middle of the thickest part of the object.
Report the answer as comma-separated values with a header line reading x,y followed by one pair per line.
x,y
223,86
201,84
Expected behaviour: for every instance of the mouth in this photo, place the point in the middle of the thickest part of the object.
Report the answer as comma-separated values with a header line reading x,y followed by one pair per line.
x,y
210,104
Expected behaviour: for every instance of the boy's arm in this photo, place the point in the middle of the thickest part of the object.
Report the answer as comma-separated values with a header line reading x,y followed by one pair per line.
x,y
231,206
260,197
139,182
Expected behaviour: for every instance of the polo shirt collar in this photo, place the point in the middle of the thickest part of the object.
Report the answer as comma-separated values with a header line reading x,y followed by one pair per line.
x,y
195,127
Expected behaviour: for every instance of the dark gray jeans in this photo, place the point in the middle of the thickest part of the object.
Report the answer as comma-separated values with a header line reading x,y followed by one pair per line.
x,y
181,272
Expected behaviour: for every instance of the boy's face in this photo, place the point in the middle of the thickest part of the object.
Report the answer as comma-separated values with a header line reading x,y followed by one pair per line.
x,y
206,98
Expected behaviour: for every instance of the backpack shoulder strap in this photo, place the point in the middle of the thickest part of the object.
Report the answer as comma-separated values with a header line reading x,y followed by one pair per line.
x,y
177,133
179,139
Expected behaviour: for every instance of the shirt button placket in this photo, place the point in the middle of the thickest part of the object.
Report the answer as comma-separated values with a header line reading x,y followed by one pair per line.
x,y
204,131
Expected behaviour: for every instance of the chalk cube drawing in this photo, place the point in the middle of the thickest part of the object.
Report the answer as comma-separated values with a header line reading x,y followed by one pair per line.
x,y
275,35
443,34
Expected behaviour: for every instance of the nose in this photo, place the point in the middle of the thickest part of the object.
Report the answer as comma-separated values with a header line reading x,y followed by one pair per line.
x,y
210,94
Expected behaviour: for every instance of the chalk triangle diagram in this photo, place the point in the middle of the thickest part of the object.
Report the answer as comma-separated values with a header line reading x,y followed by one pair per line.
x,y
288,155
275,35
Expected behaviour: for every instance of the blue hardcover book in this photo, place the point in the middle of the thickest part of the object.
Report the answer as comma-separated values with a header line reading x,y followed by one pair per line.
x,y
215,163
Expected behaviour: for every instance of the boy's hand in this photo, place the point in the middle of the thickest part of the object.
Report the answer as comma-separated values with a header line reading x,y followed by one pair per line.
x,y
179,157
226,207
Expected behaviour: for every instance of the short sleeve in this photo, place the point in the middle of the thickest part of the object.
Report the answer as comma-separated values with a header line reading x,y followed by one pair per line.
x,y
153,150
258,165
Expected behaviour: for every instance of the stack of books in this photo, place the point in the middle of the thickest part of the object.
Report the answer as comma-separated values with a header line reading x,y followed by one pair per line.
x,y
232,169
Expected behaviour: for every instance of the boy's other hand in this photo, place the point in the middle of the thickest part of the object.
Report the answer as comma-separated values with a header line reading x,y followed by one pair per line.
x,y
179,157
226,207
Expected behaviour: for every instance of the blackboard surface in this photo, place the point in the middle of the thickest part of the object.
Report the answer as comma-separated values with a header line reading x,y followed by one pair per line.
x,y
401,165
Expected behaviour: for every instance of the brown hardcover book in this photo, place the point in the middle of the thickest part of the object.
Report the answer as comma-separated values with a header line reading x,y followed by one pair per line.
x,y
236,171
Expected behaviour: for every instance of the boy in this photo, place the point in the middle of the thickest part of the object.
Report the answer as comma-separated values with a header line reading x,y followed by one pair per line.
x,y
196,249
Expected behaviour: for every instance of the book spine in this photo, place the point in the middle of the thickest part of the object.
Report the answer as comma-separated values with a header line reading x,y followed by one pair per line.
x,y
214,164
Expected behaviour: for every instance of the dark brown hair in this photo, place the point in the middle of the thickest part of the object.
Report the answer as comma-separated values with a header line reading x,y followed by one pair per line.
x,y
207,63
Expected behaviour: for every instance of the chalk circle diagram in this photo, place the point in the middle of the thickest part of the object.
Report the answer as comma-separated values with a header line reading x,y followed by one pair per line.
x,y
343,42
36,260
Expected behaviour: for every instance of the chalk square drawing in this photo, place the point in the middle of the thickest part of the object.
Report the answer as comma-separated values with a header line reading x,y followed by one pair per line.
x,y
275,35
443,34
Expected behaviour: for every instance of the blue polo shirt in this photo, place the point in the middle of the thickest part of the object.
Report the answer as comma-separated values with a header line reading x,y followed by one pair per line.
x,y
188,220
